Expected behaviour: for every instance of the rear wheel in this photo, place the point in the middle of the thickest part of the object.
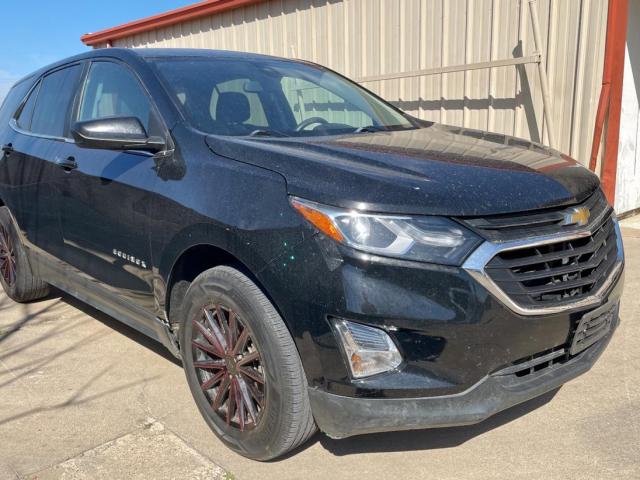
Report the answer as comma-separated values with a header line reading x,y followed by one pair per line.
x,y
16,276
242,366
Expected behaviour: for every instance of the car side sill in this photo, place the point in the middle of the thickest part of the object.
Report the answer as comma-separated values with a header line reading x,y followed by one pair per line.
x,y
106,302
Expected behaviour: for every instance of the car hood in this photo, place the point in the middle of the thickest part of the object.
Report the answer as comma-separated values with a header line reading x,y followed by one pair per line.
x,y
435,170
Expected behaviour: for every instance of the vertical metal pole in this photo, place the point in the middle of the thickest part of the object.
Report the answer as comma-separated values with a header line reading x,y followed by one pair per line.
x,y
615,49
542,71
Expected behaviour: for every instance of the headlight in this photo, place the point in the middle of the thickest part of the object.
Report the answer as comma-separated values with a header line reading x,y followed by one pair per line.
x,y
423,238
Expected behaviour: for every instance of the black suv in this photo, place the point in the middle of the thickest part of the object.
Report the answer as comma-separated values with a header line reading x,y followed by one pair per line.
x,y
315,256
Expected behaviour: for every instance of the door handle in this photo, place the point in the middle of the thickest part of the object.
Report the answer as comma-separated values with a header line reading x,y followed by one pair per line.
x,y
7,149
67,164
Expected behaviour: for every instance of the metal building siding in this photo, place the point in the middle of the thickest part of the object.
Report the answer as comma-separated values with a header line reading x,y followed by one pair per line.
x,y
363,38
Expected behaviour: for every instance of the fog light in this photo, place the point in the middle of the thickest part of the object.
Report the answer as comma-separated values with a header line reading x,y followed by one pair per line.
x,y
368,350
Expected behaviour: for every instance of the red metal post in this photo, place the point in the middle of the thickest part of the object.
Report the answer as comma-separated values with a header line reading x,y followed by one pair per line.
x,y
610,103
601,116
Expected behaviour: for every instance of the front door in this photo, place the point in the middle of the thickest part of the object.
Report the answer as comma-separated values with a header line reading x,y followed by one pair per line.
x,y
107,195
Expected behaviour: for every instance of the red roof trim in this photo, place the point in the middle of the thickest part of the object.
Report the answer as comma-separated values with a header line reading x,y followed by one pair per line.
x,y
190,12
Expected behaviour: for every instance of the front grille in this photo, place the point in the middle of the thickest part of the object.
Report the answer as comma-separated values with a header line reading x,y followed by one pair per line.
x,y
501,228
556,273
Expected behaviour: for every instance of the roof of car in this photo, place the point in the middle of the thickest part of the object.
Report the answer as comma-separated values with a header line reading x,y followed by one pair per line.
x,y
195,52
146,53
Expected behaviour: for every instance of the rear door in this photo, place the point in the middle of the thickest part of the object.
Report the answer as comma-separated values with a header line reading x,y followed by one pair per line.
x,y
106,198
34,166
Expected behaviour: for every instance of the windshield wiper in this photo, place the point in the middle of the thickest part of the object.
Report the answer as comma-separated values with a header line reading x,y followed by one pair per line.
x,y
369,129
266,133
401,126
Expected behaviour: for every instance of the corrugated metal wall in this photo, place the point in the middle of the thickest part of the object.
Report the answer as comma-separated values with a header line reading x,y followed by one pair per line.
x,y
364,38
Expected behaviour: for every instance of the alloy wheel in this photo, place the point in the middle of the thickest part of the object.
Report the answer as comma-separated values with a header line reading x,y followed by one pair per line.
x,y
229,366
7,258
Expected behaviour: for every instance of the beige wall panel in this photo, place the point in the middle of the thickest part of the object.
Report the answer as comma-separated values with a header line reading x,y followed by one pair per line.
x,y
504,97
454,20
588,77
529,118
563,39
476,82
430,42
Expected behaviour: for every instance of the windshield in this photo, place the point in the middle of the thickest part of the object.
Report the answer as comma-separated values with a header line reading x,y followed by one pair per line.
x,y
271,97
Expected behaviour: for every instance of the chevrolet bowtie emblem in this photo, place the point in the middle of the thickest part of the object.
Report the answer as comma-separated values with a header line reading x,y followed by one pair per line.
x,y
576,216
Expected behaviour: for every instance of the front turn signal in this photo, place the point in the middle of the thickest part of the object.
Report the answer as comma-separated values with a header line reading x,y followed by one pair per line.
x,y
318,219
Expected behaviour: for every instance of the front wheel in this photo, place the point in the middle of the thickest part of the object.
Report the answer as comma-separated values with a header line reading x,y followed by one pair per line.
x,y
242,366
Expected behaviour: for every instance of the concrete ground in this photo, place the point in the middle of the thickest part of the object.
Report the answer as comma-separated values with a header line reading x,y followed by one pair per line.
x,y
83,396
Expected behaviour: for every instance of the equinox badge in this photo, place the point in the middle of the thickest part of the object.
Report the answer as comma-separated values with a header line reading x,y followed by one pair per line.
x,y
130,258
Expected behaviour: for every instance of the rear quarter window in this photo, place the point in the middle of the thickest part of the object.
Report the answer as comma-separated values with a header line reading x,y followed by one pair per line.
x,y
23,119
12,101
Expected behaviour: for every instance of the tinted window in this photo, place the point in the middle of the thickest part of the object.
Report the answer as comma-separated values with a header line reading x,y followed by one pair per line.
x,y
12,101
24,119
111,90
52,105
308,99
256,110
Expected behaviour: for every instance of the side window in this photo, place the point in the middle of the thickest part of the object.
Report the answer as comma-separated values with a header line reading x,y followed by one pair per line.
x,y
24,119
54,98
111,90
12,101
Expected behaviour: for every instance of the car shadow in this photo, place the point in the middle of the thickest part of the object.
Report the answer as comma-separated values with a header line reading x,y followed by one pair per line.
x,y
116,325
25,367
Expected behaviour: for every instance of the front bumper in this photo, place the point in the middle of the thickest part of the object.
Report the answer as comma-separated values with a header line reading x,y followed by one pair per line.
x,y
340,416
456,336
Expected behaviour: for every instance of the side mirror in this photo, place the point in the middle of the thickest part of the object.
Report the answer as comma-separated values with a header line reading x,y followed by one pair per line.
x,y
115,133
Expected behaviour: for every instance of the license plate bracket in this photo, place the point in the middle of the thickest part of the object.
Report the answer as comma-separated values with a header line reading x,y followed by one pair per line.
x,y
592,327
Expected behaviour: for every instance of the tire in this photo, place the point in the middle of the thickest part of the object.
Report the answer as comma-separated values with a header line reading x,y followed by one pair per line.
x,y
258,430
16,276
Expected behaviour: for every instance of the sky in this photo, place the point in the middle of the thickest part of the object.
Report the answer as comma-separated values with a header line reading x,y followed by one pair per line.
x,y
38,32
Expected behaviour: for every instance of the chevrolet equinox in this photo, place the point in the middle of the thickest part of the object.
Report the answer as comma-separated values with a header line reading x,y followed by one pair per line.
x,y
317,258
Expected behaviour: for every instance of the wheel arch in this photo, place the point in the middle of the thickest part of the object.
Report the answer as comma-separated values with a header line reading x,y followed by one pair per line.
x,y
197,258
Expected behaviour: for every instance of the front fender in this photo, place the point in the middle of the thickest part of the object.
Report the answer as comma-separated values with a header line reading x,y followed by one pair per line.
x,y
238,208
